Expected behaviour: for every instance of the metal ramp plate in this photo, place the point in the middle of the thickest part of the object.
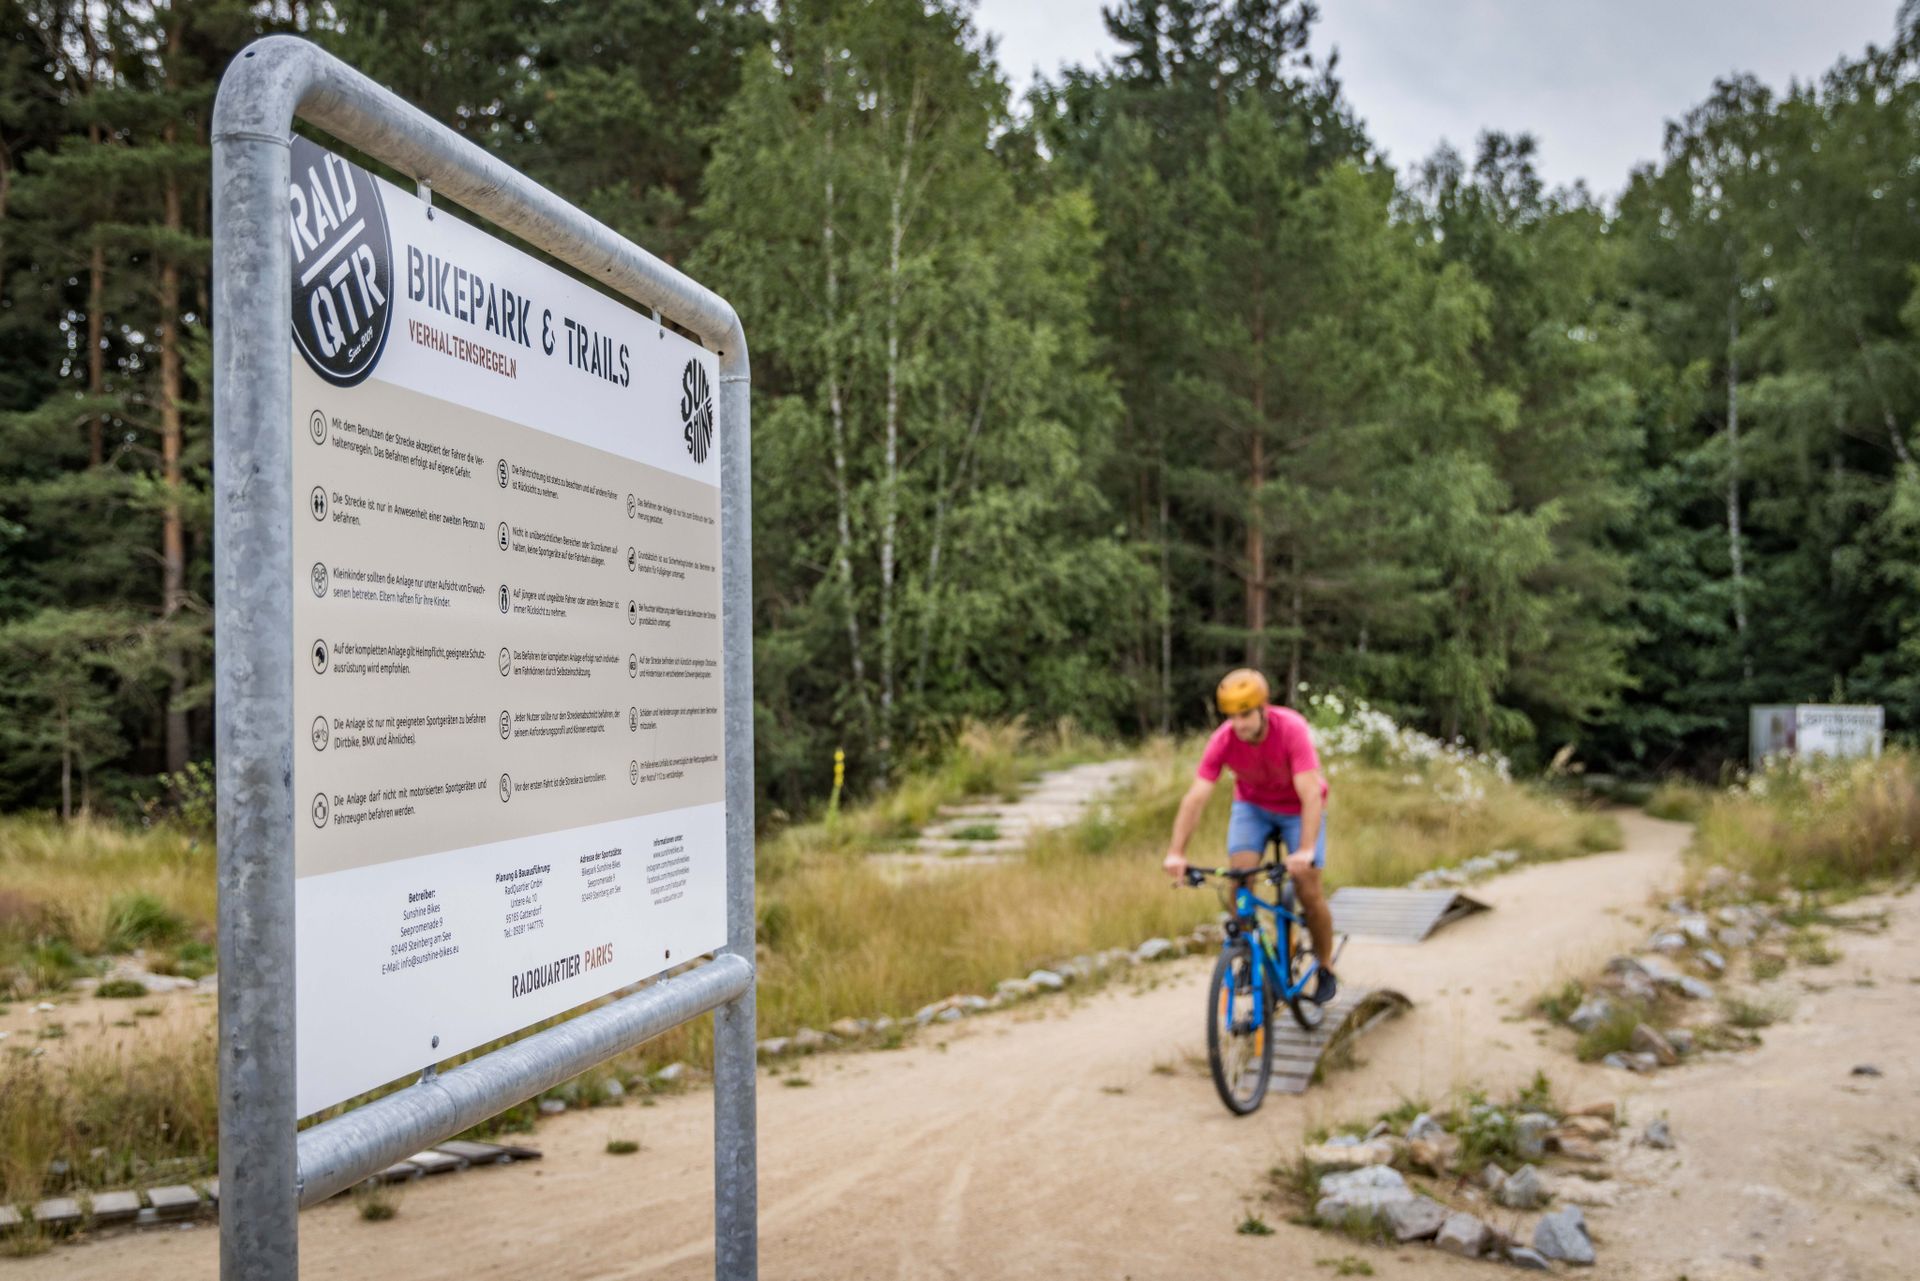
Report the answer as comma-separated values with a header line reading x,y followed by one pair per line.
x,y
1398,916
1297,1052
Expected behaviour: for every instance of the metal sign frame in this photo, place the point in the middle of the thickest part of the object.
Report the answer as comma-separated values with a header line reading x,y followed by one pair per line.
x,y
267,1169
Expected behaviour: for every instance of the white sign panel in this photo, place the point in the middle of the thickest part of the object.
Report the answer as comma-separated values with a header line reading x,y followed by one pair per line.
x,y
507,655
1830,730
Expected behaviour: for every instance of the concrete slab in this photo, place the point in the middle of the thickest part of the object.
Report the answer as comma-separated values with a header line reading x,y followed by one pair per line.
x,y
475,1153
436,1162
57,1212
110,1208
175,1201
9,1218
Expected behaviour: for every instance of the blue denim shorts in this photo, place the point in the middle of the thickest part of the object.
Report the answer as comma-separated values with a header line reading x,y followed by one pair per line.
x,y
1249,826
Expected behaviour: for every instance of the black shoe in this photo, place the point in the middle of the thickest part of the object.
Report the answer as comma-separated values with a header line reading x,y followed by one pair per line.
x,y
1325,989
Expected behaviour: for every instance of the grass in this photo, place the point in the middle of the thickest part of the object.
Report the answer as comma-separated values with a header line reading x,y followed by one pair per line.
x,y
839,939
1253,1226
622,1147
1767,965
377,1202
976,832
1613,1034
1346,1265
1810,947
119,988
1560,1003
1751,1014
1679,801
1820,826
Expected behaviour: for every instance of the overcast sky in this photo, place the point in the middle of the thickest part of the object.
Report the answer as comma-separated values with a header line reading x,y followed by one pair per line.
x,y
1594,80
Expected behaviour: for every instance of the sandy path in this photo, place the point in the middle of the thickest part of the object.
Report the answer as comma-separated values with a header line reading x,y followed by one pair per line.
x,y
1081,1138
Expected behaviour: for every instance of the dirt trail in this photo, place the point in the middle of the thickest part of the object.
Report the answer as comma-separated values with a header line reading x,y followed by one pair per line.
x,y
1081,1138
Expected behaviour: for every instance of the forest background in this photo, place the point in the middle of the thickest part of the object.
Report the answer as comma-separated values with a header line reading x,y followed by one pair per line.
x,y
1060,411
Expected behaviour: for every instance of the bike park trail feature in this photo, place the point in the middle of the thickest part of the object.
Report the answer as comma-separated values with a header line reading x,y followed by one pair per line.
x,y
1072,1136
983,832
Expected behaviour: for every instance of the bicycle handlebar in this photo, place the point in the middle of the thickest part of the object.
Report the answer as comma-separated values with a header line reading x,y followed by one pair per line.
x,y
1197,876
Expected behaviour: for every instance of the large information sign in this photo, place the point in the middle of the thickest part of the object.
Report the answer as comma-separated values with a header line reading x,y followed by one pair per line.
x,y
507,637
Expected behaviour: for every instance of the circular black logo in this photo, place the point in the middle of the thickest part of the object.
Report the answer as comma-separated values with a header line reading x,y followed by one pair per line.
x,y
342,265
696,410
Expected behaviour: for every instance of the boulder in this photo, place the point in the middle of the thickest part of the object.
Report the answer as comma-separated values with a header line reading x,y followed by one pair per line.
x,y
1734,937
1576,1148
1587,1127
849,1029
1593,1011
1647,1040
1585,1192
1657,1135
807,1040
1693,989
1046,980
1492,1176
1527,1260
1695,928
1359,1197
1712,960
552,1107
1462,1234
1346,1156
1417,1219
1524,1189
670,1073
1659,970
1435,1153
952,1014
1154,950
1530,1130
1605,1109
1423,1126
1681,1039
1562,1235
1667,941
1014,989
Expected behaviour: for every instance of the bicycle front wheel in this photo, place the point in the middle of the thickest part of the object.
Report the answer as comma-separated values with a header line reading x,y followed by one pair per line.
x,y
1238,1048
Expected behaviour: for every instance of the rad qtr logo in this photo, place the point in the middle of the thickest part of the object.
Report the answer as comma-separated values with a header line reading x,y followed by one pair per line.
x,y
696,410
342,265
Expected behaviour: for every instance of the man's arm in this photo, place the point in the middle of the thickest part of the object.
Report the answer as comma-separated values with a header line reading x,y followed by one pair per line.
x,y
1188,818
1307,783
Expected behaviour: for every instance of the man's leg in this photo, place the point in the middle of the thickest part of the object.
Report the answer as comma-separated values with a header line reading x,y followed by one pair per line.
x,y
1247,829
1304,869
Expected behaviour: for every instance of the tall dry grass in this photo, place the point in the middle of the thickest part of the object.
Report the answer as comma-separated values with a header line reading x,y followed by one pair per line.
x,y
1819,826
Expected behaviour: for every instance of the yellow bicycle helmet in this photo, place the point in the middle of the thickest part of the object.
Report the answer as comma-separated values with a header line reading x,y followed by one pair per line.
x,y
1241,690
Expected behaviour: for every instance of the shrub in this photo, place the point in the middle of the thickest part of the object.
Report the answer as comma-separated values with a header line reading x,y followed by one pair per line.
x,y
115,988
1819,825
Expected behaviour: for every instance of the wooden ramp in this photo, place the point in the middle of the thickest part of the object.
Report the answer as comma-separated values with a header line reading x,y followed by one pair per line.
x,y
1398,916
1297,1053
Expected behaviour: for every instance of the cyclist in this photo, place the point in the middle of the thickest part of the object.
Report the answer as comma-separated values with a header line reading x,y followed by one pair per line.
x,y
1278,790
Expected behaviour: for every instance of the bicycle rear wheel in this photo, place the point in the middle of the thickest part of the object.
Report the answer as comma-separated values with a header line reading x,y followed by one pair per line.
x,y
1309,1014
1238,1048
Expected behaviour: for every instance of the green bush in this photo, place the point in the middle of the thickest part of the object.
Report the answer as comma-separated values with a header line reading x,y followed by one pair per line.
x,y
116,988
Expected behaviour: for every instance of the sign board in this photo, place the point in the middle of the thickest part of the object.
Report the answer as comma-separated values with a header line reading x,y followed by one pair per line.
x,y
1814,729
509,792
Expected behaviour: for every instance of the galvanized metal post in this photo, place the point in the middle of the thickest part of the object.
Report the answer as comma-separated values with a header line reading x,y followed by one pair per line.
x,y
265,1173
736,1195
253,696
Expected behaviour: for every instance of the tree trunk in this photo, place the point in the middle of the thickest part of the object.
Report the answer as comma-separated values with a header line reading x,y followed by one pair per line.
x,y
1256,484
890,476
1166,608
173,551
96,357
1733,478
66,766
836,410
1297,621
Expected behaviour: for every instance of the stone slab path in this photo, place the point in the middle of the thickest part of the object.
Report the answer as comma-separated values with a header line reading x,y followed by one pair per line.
x,y
982,833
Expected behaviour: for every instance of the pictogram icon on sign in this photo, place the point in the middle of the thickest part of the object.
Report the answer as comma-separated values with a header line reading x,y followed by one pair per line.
x,y
318,502
319,809
320,733
317,577
320,656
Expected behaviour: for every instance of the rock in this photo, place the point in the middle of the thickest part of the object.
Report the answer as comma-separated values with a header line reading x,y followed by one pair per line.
x,y
1659,970
1423,1126
1712,960
1414,1220
114,1207
1153,950
1492,1176
1346,1156
1593,1011
1524,1189
849,1029
1734,937
1435,1153
612,1091
1585,1192
670,1073
1380,1130
1587,1127
1695,928
1562,1235
928,1013
1527,1260
1681,1039
1647,1040
1667,941
1657,1135
807,1040
1462,1234
1604,1109
952,1014
45,1007
773,1047
1345,1141
1576,1148
882,1025
1693,989
1047,980
1626,965
1359,1196
1865,1069
1530,1135
1643,1062
1678,907
176,1201
1617,1060
970,1004
552,1107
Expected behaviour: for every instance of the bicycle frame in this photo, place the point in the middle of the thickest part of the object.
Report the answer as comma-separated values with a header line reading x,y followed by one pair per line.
x,y
1245,923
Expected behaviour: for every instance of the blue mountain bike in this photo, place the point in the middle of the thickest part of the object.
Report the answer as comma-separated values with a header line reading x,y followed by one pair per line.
x,y
1261,964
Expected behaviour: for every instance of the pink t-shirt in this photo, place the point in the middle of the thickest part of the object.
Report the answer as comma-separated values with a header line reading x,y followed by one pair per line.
x,y
1263,771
